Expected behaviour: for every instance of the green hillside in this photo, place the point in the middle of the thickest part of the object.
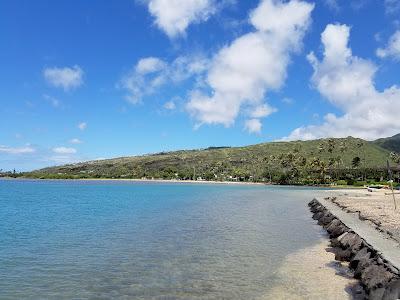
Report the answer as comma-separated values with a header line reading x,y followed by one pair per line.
x,y
284,162
390,143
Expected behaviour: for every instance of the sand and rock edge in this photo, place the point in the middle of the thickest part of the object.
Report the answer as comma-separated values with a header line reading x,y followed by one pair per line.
x,y
379,278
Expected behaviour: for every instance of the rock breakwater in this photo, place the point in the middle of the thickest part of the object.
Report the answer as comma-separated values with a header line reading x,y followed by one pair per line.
x,y
379,278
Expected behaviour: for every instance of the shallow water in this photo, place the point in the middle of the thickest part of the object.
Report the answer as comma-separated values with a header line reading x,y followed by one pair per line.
x,y
107,239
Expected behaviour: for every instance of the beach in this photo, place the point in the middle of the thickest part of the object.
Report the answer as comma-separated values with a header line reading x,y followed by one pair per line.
x,y
376,208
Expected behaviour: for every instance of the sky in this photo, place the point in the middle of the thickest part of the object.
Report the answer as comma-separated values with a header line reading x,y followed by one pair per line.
x,y
85,80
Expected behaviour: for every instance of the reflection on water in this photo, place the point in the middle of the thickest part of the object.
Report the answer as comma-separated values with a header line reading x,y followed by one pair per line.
x,y
64,239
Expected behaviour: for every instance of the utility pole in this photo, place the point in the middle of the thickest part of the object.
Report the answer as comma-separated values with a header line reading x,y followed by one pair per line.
x,y
391,183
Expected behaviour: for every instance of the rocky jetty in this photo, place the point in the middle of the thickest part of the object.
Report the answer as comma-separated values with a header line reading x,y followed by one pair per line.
x,y
379,278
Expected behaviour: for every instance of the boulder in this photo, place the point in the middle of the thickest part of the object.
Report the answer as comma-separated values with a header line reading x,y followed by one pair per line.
x,y
376,294
346,239
392,291
333,225
336,242
313,202
342,254
363,263
362,254
318,215
338,231
375,276
326,219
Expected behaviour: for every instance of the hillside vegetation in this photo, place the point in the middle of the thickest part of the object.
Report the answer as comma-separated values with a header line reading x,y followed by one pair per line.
x,y
390,143
298,162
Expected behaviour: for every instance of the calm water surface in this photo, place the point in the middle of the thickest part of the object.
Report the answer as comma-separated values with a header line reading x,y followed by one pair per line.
x,y
125,240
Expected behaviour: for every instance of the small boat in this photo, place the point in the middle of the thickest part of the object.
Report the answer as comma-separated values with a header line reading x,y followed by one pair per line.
x,y
373,188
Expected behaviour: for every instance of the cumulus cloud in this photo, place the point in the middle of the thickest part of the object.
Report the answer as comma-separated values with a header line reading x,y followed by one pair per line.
x,y
82,126
149,65
174,16
75,141
241,73
64,150
16,150
347,81
151,73
262,111
253,125
66,78
392,49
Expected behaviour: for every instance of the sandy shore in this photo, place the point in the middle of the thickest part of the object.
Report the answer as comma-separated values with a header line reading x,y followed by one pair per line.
x,y
376,208
148,180
313,273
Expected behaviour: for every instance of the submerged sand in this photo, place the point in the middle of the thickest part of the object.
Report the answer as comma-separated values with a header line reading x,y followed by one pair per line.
x,y
313,273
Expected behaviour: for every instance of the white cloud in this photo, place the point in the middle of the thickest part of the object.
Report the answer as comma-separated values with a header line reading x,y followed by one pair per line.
x,y
333,4
262,111
66,78
64,150
392,49
392,6
170,105
347,81
174,16
53,101
75,141
151,73
242,72
82,125
16,150
149,65
253,125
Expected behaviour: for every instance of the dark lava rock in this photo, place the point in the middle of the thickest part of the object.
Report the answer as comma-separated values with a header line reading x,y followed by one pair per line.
x,y
356,244
392,269
342,255
346,239
313,202
338,231
363,263
375,276
325,220
376,294
364,253
317,208
352,241
335,242
332,225
392,291
318,215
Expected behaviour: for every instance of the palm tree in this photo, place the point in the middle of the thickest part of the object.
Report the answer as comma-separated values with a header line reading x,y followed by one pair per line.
x,y
356,162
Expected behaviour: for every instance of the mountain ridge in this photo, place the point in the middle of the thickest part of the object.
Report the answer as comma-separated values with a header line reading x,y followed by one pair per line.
x,y
273,160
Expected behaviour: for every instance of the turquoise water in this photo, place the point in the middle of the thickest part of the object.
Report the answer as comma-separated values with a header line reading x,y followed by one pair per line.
x,y
125,240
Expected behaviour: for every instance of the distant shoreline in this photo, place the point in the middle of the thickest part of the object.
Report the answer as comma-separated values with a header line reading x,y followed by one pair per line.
x,y
333,187
143,180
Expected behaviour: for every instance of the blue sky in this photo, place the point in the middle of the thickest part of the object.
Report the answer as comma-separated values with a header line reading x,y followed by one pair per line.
x,y
83,80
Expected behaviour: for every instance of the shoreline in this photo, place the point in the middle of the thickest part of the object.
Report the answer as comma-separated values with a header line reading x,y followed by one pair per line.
x,y
328,187
372,256
143,180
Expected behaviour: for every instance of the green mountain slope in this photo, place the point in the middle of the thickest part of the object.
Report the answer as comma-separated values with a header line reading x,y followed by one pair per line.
x,y
390,143
276,160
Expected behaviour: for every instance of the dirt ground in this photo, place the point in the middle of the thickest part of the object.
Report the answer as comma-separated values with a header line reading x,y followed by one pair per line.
x,y
375,207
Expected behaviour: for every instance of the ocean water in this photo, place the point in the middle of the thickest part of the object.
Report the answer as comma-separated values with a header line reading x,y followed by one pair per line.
x,y
129,240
